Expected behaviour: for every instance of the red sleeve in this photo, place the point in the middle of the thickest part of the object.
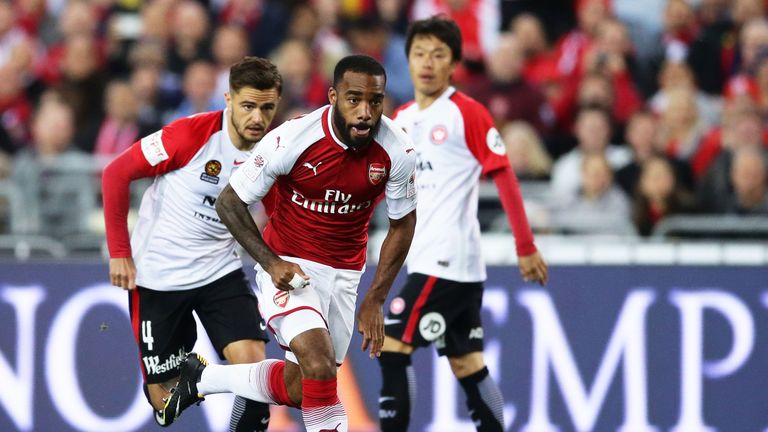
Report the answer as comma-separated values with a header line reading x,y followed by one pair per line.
x,y
115,184
483,140
163,151
512,201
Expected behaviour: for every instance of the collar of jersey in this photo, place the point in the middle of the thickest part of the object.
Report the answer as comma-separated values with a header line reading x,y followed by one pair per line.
x,y
447,93
328,126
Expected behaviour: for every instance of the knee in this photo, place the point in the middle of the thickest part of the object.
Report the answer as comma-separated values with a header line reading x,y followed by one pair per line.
x,y
467,364
318,367
393,345
244,351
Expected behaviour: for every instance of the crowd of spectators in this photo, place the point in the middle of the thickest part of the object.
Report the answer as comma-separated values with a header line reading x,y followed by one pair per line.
x,y
631,118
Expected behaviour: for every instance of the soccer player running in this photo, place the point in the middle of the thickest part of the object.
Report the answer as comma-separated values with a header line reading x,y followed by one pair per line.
x,y
181,257
456,142
324,172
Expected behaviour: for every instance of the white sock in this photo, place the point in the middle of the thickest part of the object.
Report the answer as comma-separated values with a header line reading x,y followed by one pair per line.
x,y
250,381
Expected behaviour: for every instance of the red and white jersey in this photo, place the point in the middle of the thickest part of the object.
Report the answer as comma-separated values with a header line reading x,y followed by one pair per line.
x,y
323,193
456,142
179,242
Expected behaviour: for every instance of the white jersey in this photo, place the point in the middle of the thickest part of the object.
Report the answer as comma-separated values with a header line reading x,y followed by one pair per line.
x,y
179,242
456,142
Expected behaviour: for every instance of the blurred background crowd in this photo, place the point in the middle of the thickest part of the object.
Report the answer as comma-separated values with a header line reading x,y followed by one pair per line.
x,y
617,114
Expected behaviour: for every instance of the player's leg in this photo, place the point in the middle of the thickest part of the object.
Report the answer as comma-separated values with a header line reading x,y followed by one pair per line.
x,y
247,415
165,330
398,389
229,311
464,348
320,405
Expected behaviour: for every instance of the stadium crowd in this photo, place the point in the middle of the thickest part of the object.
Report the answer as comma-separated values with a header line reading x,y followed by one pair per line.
x,y
629,111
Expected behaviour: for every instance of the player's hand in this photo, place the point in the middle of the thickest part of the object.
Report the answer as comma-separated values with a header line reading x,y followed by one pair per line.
x,y
533,268
370,324
122,273
283,273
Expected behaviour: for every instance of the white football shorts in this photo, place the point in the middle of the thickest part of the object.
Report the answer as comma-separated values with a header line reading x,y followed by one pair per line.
x,y
328,302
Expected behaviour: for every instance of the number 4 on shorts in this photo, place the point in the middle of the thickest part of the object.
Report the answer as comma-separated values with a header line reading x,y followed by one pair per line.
x,y
146,334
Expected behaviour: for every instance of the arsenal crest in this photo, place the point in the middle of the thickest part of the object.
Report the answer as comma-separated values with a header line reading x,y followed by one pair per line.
x,y
376,172
281,298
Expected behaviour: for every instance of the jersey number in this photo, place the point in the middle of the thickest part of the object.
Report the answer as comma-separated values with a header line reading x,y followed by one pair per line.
x,y
146,334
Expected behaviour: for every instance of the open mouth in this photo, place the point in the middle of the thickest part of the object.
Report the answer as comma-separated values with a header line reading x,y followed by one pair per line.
x,y
360,130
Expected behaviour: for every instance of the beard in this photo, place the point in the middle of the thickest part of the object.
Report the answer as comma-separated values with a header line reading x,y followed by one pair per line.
x,y
356,143
247,141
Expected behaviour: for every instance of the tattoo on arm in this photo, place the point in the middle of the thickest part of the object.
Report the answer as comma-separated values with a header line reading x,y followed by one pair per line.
x,y
235,215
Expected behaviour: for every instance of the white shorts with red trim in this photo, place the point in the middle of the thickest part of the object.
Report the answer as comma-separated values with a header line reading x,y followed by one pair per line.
x,y
328,301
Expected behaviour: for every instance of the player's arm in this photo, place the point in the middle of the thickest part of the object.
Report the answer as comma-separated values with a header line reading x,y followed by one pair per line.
x,y
531,264
235,215
116,193
485,143
393,252
163,151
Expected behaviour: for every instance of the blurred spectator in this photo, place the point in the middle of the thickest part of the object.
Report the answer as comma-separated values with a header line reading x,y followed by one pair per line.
x,y
54,177
190,41
659,194
316,22
394,13
145,85
120,128
539,65
598,207
681,127
82,86
15,46
77,21
748,176
611,54
303,87
713,56
672,45
154,18
741,129
675,75
571,48
478,20
526,152
15,111
753,44
740,122
641,138
643,23
593,131
369,35
264,21
506,93
230,45
199,85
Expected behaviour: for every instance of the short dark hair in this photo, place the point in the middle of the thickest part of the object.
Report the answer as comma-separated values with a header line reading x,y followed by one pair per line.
x,y
357,63
439,26
255,72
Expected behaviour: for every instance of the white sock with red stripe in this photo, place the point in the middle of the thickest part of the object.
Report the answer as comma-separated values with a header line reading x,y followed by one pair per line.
x,y
261,382
321,409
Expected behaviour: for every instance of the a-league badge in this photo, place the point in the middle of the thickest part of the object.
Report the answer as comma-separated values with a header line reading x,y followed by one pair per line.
x,y
212,170
376,172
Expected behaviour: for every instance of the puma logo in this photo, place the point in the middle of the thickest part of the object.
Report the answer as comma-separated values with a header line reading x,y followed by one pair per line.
x,y
313,168
336,429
